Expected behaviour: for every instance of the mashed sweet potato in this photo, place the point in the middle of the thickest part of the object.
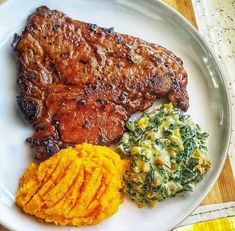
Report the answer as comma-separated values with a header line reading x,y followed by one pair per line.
x,y
77,186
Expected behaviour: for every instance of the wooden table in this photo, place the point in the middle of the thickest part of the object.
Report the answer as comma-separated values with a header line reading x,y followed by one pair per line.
x,y
224,188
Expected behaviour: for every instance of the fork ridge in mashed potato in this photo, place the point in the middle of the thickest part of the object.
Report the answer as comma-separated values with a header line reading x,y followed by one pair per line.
x,y
77,186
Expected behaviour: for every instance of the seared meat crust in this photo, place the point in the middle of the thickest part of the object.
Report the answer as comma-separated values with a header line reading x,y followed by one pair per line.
x,y
80,82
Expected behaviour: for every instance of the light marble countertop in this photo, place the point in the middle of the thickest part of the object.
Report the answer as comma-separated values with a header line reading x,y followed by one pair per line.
x,y
216,22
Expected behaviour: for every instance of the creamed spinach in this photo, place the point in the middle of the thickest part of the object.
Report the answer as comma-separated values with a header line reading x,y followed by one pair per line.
x,y
168,155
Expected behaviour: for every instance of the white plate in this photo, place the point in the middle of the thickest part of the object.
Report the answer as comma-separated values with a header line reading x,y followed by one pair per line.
x,y
154,22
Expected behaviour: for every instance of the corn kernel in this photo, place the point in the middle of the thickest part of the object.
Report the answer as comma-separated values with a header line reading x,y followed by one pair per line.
x,y
135,150
143,122
197,153
176,132
168,106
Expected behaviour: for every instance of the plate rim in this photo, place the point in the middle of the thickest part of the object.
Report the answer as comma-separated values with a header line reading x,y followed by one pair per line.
x,y
197,34
205,45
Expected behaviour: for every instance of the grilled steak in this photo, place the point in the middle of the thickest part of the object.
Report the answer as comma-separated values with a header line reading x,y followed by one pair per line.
x,y
80,82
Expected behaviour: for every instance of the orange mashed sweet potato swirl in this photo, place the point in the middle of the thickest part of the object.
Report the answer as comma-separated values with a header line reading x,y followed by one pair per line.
x,y
77,186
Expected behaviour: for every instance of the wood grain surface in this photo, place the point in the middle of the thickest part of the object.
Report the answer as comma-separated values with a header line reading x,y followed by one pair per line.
x,y
184,7
224,188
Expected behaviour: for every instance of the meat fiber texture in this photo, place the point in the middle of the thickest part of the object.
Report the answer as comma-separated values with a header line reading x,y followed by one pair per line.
x,y
79,82
77,186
